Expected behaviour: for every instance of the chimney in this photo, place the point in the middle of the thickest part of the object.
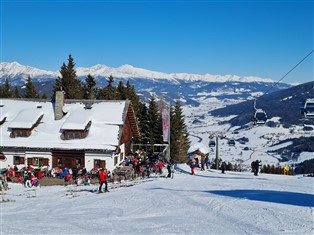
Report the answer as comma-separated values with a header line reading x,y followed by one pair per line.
x,y
59,105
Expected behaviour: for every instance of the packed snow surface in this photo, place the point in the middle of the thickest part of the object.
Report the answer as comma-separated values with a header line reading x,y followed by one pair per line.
x,y
206,203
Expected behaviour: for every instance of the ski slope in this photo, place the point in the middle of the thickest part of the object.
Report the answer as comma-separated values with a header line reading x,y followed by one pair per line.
x,y
206,203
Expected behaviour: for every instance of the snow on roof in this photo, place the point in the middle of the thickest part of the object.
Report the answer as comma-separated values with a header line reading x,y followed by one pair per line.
x,y
77,120
198,147
106,119
26,118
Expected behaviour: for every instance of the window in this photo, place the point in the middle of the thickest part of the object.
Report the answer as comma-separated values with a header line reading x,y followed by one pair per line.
x,y
99,163
96,163
35,161
77,134
115,160
21,133
78,162
121,157
16,160
70,135
59,161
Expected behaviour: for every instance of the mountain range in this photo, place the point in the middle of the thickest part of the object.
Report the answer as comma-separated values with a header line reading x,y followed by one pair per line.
x,y
15,70
186,87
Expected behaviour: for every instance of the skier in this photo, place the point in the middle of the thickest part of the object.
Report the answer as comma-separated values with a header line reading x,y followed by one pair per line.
x,y
203,163
103,180
169,170
255,167
192,167
223,167
207,161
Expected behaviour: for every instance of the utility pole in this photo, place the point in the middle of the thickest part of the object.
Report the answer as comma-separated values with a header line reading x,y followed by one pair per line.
x,y
218,135
217,154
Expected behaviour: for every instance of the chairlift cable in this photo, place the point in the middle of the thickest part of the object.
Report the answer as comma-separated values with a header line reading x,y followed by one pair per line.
x,y
262,119
288,72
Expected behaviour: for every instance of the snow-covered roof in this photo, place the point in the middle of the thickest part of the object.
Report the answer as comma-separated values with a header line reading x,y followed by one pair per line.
x,y
198,147
106,118
26,118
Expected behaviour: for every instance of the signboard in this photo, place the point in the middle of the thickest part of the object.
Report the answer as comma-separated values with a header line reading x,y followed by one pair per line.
x,y
166,124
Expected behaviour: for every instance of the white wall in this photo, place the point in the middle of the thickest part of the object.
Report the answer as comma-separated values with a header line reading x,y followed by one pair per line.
x,y
10,159
90,157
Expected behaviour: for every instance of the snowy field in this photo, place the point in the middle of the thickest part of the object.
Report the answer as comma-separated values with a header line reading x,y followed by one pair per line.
x,y
206,203
263,140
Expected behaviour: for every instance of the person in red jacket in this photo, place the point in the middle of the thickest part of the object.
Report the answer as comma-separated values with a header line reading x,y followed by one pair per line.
x,y
103,180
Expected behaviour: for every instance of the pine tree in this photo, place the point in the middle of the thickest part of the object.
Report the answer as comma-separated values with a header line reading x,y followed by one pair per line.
x,y
89,87
6,89
16,93
154,118
30,90
109,92
69,82
44,96
144,125
121,89
131,95
178,135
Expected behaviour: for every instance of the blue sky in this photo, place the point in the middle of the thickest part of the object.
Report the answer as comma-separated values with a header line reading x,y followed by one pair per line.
x,y
246,38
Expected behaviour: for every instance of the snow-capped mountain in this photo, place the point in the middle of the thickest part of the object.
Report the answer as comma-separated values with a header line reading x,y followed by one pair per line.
x,y
15,70
189,88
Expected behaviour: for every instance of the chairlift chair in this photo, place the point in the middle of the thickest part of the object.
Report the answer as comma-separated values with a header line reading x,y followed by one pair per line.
x,y
308,109
231,142
212,143
259,117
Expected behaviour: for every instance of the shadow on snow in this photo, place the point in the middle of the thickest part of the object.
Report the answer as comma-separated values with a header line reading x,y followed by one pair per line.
x,y
288,198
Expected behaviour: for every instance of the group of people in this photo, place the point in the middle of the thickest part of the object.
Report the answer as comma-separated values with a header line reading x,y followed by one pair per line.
x,y
194,162
145,165
26,176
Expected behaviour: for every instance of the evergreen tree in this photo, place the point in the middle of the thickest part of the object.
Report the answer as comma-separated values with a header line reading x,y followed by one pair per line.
x,y
154,118
89,88
99,93
178,135
110,92
44,96
6,89
121,89
30,90
131,95
16,93
69,82
144,125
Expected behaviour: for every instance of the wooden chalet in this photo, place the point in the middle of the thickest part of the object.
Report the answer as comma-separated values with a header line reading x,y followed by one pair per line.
x,y
67,133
